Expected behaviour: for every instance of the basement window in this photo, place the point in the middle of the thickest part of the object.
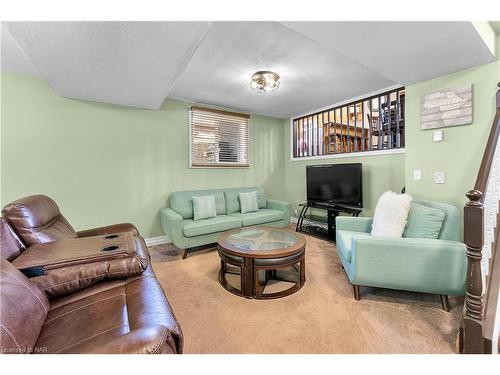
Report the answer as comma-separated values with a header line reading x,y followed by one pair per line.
x,y
370,124
218,139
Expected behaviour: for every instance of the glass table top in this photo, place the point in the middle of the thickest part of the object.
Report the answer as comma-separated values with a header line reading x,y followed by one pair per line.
x,y
261,239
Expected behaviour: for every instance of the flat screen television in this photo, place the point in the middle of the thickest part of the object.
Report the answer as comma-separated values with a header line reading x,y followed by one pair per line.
x,y
335,184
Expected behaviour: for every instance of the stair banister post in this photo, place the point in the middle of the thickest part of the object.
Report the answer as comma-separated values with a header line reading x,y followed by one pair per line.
x,y
498,95
473,238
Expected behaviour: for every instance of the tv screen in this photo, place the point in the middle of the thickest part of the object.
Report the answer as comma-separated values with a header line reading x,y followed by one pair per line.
x,y
335,184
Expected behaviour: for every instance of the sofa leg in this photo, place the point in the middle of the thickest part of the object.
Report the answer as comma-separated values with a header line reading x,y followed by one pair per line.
x,y
186,251
445,303
355,289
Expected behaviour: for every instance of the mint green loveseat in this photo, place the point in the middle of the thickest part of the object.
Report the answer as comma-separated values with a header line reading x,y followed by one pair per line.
x,y
416,264
185,233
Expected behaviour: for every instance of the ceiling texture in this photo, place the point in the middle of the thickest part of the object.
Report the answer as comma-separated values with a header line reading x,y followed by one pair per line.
x,y
140,64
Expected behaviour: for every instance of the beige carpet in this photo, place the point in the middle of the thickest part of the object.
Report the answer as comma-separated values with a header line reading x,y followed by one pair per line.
x,y
322,317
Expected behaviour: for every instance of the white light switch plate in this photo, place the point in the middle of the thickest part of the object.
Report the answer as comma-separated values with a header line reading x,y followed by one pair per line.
x,y
437,136
417,174
439,177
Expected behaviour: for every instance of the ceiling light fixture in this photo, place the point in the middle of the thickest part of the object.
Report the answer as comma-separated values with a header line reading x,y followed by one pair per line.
x,y
265,81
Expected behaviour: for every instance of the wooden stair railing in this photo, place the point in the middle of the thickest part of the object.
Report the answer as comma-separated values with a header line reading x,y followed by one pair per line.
x,y
480,323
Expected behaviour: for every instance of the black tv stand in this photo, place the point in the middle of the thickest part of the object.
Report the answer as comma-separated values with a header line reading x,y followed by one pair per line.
x,y
333,211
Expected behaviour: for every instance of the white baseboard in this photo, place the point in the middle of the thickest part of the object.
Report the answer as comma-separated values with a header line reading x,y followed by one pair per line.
x,y
160,240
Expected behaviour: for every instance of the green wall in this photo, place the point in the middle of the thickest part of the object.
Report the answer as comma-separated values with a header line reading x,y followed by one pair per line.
x,y
106,163
459,155
380,173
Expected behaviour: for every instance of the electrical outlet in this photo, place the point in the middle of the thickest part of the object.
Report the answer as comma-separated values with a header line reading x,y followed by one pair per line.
x,y
439,178
437,136
417,174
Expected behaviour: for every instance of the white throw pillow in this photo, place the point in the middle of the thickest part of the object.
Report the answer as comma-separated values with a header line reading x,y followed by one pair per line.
x,y
391,213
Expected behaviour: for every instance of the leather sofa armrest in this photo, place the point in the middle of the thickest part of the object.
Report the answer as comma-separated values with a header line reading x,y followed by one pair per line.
x,y
110,229
62,267
145,340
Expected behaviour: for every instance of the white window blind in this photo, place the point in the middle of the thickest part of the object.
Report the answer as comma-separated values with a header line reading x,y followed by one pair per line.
x,y
218,138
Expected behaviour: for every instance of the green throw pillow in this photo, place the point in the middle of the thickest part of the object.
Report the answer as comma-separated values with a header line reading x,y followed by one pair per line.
x,y
423,222
248,202
204,207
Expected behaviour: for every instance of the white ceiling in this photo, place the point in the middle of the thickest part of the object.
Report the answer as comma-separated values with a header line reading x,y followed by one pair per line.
x,y
311,75
404,52
13,57
141,63
128,63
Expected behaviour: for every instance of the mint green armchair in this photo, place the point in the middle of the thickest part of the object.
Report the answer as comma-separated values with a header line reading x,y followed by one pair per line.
x,y
416,264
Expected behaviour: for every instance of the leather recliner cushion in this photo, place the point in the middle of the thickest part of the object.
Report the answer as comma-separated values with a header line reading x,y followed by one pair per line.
x,y
37,219
10,245
23,310
119,316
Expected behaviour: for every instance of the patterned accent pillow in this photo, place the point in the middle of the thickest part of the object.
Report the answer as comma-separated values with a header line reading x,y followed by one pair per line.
x,y
204,207
248,202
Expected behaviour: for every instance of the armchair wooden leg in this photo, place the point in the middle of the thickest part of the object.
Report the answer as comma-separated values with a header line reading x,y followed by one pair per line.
x,y
185,254
445,303
357,295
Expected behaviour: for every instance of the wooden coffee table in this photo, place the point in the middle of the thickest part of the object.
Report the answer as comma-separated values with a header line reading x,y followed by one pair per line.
x,y
259,255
